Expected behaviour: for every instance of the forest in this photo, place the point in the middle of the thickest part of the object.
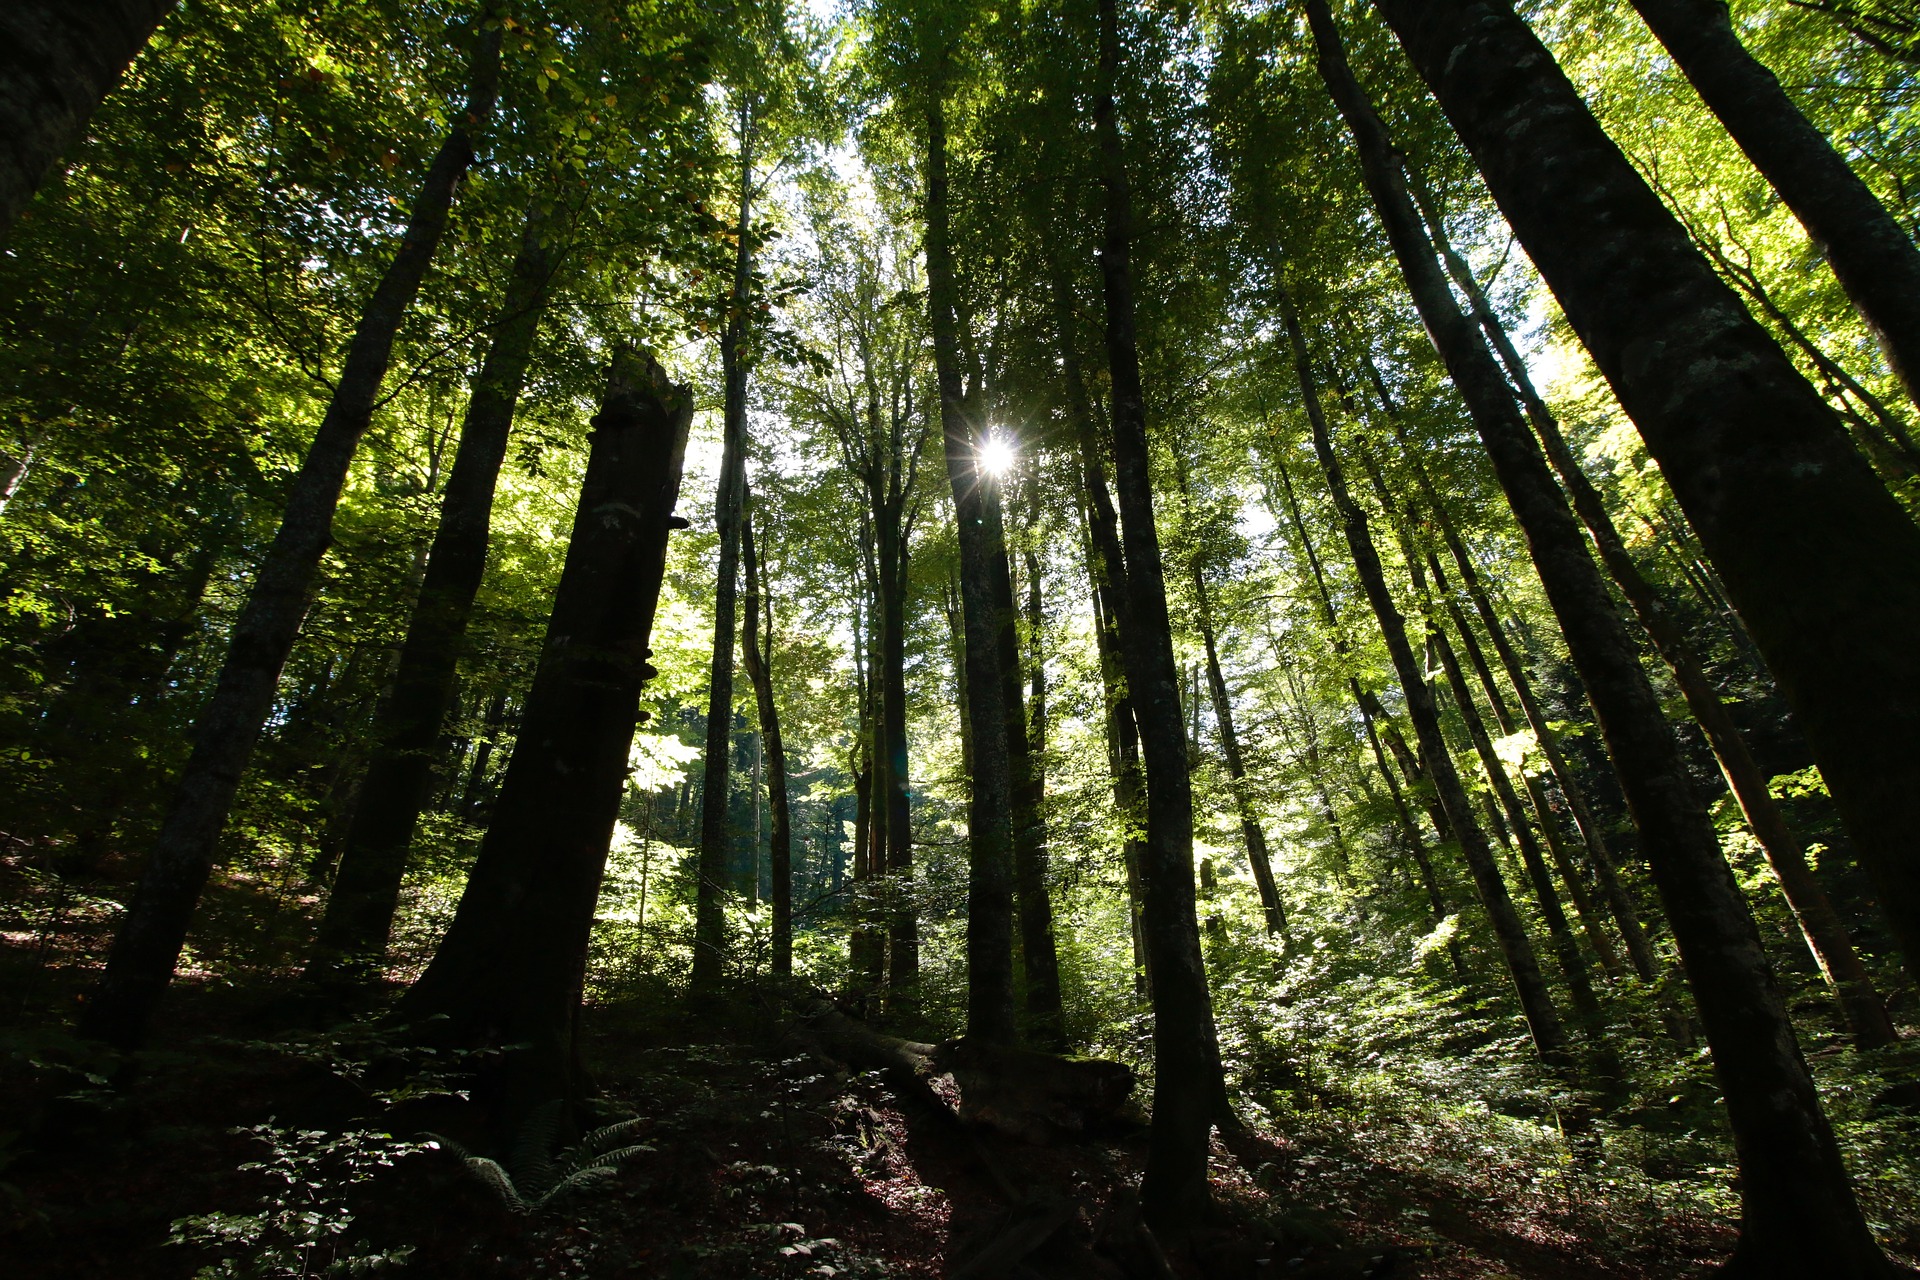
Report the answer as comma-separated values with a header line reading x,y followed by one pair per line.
x,y
1030,639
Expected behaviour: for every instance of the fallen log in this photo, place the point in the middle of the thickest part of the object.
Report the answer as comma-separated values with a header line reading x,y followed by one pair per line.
x,y
1037,1097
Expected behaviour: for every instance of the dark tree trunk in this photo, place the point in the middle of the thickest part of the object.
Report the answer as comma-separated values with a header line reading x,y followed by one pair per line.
x,y
710,893
1573,965
1034,909
147,946
1189,1093
759,662
471,796
1250,830
1799,1212
903,931
58,61
1860,1003
1873,258
1821,561
990,1002
509,971
353,933
1590,920
1536,1001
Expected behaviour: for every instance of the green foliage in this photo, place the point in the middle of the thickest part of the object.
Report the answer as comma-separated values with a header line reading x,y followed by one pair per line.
x,y
540,1173
303,1225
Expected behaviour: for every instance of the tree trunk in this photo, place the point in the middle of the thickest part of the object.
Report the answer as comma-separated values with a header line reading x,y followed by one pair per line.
x,y
1536,1001
760,671
58,61
710,894
1820,559
1573,965
891,735
1874,260
1860,1003
1037,951
353,933
1799,1211
1188,1088
147,946
1250,830
990,1003
509,971
1590,922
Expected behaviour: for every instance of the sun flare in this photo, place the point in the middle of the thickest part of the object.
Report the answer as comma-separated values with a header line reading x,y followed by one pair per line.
x,y
997,455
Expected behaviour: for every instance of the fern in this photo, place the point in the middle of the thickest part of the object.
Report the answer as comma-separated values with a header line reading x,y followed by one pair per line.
x,y
540,1175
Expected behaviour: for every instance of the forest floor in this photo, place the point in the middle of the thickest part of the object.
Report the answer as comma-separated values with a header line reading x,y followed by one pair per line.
x,y
760,1158
761,1161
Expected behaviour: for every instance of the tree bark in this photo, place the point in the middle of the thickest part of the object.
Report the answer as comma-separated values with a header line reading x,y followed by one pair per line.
x,y
1820,560
1250,829
1798,1207
990,1001
59,59
760,671
147,946
1188,1088
353,933
1874,260
1035,907
1516,949
510,969
1860,1003
710,893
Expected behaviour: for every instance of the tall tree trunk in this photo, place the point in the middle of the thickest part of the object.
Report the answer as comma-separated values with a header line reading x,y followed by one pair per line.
x,y
760,671
1250,830
1573,965
990,1003
1107,575
58,61
471,798
147,946
1035,908
1860,1003
353,933
510,969
1536,1001
903,931
710,893
1874,259
1820,559
1189,1093
1798,1207
1590,920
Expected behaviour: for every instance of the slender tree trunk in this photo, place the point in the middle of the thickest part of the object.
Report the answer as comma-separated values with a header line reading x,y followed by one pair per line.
x,y
1590,922
1871,255
1035,907
1250,830
760,671
59,59
147,946
1573,965
509,971
471,798
710,893
1799,1211
1536,1001
1820,559
1861,1005
1189,1092
902,925
353,933
990,1002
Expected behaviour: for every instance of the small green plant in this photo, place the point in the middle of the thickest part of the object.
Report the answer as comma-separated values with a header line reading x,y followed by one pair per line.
x,y
537,1175
301,1227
